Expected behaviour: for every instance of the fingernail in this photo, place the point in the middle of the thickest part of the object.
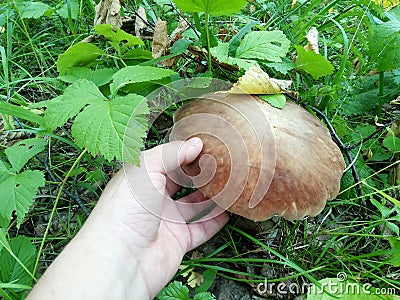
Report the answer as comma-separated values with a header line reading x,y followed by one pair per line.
x,y
195,141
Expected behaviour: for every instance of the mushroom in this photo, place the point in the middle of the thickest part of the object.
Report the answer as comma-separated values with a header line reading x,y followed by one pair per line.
x,y
259,161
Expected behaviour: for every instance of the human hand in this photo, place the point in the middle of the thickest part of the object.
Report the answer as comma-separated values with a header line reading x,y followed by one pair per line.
x,y
136,236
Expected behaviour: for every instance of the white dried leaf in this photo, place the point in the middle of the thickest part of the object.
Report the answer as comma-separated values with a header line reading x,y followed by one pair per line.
x,y
312,40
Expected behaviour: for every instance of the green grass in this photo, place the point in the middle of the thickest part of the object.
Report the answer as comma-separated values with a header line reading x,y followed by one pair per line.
x,y
352,235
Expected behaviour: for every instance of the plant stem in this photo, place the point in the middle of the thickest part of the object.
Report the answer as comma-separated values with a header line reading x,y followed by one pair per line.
x,y
60,191
208,44
380,95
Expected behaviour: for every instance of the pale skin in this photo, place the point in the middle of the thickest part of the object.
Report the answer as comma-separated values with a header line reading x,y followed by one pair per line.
x,y
125,250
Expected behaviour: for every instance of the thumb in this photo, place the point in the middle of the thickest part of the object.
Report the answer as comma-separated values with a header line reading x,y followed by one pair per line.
x,y
166,158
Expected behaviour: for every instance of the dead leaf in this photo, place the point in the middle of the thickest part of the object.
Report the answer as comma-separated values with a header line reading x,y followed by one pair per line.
x,y
294,2
182,27
255,81
108,12
187,272
312,38
195,279
140,21
160,40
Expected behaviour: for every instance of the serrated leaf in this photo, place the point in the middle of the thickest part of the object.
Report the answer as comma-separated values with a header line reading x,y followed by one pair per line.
x,y
19,154
98,77
174,291
63,10
76,96
12,270
32,10
221,53
313,63
277,100
134,74
18,191
384,41
75,74
212,7
203,296
113,128
234,43
78,55
283,67
264,45
118,37
362,96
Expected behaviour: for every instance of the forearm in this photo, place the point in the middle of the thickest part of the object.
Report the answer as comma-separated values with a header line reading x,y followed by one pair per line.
x,y
94,265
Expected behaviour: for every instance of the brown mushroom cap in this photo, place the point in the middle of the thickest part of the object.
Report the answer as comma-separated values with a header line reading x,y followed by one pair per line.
x,y
259,161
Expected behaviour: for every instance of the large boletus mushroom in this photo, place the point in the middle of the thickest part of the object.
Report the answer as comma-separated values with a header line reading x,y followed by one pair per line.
x,y
259,161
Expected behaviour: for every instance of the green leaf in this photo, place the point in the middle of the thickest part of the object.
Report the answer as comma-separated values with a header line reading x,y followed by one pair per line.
x,y
209,278
21,112
203,296
113,128
21,152
134,74
277,100
174,291
264,45
98,77
395,244
76,96
180,46
13,268
384,44
313,63
78,55
138,54
392,143
212,7
117,37
18,191
360,96
63,10
3,239
283,67
221,53
32,10
234,43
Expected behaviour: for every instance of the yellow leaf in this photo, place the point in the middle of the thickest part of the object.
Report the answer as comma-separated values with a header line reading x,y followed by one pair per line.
x,y
195,279
294,2
187,272
388,4
255,81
